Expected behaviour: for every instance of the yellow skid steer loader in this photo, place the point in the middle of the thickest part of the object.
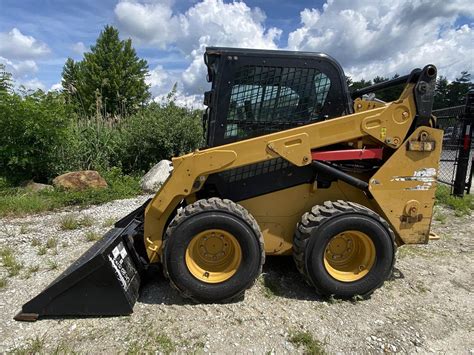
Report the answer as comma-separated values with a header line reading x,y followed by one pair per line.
x,y
294,164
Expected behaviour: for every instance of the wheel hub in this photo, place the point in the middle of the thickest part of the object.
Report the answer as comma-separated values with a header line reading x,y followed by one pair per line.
x,y
213,256
349,256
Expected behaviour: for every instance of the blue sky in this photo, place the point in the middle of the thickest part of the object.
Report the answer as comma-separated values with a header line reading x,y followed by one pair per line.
x,y
369,38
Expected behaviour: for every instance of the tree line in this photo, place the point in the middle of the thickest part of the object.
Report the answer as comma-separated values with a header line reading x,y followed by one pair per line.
x,y
447,94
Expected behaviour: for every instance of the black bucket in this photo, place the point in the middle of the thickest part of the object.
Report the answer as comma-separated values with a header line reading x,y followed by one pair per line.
x,y
104,281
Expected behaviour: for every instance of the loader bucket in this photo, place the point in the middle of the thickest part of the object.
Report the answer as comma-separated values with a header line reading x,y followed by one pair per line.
x,y
104,281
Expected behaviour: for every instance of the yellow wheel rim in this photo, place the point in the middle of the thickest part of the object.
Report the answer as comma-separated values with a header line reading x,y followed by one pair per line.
x,y
349,256
213,256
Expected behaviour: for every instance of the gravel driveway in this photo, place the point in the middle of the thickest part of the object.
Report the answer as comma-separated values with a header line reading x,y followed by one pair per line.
x,y
426,307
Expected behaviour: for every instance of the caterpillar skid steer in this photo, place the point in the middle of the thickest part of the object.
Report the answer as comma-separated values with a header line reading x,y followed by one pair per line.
x,y
294,164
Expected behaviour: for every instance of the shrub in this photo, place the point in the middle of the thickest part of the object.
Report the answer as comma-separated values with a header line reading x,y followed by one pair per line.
x,y
159,132
33,128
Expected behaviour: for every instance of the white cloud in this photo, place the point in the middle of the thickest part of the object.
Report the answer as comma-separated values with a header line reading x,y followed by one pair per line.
x,y
14,45
152,23
56,87
210,22
79,48
384,37
368,37
33,84
20,68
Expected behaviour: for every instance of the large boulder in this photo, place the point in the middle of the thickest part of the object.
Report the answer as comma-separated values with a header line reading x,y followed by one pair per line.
x,y
157,175
80,180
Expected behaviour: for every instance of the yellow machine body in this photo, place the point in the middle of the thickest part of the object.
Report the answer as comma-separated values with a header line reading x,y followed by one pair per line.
x,y
402,190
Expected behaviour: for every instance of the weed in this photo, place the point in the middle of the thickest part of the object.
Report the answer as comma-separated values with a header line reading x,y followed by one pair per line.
x,y
441,218
357,298
42,250
31,270
306,340
9,232
10,262
92,236
109,222
52,264
51,243
64,244
462,206
421,288
271,288
86,221
34,346
69,222
35,242
134,348
164,343
3,282
24,229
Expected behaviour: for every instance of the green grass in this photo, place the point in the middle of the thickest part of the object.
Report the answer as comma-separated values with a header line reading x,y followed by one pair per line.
x,y
3,282
15,201
164,343
35,242
441,218
31,270
87,221
92,236
109,222
52,264
69,222
42,250
51,243
34,346
306,340
462,206
10,262
271,288
24,229
151,343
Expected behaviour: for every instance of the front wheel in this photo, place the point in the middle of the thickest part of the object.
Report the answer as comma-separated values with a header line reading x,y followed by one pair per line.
x,y
213,251
344,249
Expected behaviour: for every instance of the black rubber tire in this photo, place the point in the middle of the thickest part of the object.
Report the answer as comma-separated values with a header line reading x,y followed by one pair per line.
x,y
209,214
323,222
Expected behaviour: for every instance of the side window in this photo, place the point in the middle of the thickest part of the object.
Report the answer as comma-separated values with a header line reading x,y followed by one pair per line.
x,y
322,84
253,105
269,99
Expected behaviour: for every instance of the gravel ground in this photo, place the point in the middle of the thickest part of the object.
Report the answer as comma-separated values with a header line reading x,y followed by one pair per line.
x,y
426,307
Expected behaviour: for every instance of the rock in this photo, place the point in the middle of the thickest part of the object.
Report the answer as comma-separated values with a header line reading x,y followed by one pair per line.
x,y
80,180
36,186
157,175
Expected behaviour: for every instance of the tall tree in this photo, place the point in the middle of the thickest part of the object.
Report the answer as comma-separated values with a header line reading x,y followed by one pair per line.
x,y
71,84
441,93
458,89
110,80
6,83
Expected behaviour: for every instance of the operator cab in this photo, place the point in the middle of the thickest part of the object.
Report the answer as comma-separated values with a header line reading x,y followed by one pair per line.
x,y
257,92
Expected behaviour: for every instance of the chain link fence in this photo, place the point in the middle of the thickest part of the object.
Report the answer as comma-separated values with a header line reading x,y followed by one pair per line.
x,y
457,147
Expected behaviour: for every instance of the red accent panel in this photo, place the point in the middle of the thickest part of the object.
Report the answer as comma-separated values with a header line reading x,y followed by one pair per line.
x,y
348,154
467,141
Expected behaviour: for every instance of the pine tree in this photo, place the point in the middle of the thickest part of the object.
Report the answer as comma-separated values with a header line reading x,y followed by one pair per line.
x,y
71,84
441,93
458,89
110,80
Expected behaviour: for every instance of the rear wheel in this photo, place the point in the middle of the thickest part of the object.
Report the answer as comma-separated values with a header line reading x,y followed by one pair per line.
x,y
213,251
344,249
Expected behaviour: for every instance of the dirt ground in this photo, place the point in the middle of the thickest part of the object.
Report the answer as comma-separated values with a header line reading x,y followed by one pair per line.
x,y
426,307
